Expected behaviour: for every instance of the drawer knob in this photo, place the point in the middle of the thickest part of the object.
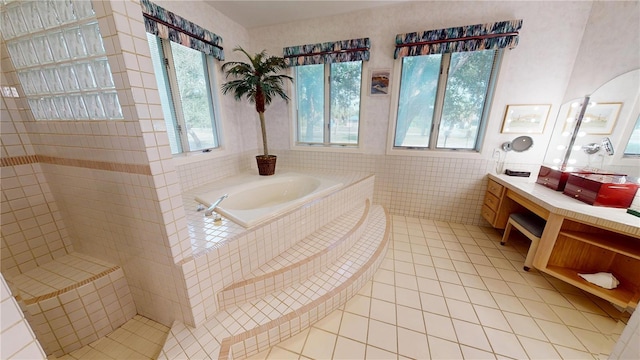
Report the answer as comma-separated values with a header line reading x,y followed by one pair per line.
x,y
576,195
579,190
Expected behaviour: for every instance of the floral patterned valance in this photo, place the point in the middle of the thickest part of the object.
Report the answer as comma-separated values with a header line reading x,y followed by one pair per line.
x,y
498,35
328,52
167,25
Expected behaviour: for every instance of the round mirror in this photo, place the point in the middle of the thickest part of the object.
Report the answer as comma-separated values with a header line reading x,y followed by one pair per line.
x,y
519,144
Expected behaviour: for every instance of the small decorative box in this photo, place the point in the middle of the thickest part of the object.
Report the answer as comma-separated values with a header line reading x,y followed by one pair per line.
x,y
555,179
601,189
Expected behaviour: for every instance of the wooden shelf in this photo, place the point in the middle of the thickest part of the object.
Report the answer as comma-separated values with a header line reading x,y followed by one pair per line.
x,y
620,296
620,244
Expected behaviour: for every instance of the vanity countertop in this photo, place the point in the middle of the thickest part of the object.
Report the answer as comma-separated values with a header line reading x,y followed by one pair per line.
x,y
558,203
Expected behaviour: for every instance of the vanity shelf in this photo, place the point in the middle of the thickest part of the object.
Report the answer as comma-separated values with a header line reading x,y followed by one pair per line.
x,y
620,296
591,250
621,244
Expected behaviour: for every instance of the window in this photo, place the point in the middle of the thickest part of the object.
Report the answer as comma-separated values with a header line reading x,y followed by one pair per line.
x,y
633,146
328,115
443,100
184,82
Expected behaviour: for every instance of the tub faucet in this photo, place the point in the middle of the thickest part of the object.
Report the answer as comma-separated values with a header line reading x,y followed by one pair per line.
x,y
215,204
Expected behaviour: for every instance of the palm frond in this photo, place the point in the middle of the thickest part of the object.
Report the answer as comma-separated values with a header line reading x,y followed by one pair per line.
x,y
260,74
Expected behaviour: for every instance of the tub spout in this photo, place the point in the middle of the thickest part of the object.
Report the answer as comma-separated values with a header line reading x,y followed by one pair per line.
x,y
215,204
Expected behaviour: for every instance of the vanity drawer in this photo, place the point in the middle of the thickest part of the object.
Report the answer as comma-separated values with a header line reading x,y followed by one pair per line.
x,y
488,214
495,188
491,201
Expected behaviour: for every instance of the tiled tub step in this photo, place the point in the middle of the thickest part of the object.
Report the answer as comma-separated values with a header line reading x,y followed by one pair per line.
x,y
311,255
73,301
244,330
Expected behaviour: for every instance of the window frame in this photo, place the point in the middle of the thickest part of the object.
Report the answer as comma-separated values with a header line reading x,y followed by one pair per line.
x,y
325,145
170,78
625,154
433,149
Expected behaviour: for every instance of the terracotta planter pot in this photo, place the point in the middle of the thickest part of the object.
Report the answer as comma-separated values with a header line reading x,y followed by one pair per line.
x,y
266,164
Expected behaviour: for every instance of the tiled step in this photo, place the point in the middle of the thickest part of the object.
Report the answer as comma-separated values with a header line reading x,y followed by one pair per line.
x,y
73,300
254,326
309,256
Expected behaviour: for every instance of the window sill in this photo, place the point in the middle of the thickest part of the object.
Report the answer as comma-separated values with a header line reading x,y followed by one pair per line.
x,y
196,156
328,148
457,154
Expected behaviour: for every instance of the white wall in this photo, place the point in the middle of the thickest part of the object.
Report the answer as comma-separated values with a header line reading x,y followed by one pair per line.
x,y
609,47
537,71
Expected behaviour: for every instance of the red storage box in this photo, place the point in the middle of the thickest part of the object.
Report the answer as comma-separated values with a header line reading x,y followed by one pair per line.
x,y
601,190
555,179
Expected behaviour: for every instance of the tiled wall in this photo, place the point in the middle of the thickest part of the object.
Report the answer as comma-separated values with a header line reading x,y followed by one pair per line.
x,y
18,340
207,171
113,181
428,187
433,188
627,346
33,232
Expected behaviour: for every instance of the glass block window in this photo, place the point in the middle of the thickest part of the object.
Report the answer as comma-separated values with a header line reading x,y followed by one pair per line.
x,y
58,53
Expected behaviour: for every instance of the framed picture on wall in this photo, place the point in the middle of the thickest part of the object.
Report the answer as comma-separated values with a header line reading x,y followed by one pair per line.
x,y
599,118
379,84
525,119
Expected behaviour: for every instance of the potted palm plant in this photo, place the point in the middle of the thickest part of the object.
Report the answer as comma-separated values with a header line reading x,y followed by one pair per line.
x,y
259,82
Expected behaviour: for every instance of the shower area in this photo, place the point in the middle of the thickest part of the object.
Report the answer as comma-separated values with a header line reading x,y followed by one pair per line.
x,y
93,225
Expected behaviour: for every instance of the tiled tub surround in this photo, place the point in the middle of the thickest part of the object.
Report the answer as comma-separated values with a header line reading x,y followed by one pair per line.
x,y
256,325
73,301
313,254
262,285
206,234
228,253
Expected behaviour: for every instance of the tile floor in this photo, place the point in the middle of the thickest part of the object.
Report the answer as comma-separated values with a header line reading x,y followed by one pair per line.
x,y
138,338
444,291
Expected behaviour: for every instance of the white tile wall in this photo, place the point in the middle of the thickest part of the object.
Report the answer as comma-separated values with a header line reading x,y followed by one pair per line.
x,y
628,346
433,188
33,232
132,216
18,341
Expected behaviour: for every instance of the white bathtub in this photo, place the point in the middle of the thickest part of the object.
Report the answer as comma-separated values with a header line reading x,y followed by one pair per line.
x,y
257,199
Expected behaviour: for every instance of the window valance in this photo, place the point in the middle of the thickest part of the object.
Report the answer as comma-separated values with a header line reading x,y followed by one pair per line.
x,y
328,52
491,36
167,25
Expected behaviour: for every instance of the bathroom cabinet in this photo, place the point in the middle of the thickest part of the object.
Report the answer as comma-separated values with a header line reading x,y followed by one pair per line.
x,y
578,238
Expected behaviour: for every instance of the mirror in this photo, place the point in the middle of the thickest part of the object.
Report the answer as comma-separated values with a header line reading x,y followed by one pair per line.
x,y
607,116
519,144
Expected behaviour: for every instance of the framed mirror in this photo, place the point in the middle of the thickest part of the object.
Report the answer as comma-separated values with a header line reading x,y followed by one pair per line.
x,y
611,110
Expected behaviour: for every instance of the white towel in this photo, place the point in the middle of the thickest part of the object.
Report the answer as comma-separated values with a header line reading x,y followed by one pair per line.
x,y
602,279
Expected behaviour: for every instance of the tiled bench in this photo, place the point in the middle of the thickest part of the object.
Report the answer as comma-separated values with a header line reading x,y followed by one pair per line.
x,y
73,300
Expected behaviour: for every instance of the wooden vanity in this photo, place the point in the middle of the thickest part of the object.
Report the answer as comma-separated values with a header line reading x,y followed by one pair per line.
x,y
578,238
